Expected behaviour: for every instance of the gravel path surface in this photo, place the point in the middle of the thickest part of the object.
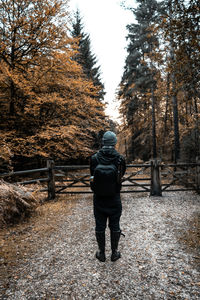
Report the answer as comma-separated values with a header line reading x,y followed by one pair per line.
x,y
159,258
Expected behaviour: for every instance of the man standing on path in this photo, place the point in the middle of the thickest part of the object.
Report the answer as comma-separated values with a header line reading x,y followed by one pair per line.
x,y
107,167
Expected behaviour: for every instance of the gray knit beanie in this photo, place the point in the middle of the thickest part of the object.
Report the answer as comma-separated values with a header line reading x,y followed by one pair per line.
x,y
109,139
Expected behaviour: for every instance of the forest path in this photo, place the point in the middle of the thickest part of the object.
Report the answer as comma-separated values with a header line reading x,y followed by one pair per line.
x,y
159,253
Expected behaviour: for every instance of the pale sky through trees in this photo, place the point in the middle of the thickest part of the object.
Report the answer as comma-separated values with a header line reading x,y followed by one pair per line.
x,y
105,21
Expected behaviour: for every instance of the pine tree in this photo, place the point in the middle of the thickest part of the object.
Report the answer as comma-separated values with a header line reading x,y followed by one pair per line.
x,y
85,57
138,83
180,35
175,66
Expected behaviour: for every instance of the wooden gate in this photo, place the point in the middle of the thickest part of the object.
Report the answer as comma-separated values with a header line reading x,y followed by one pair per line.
x,y
76,179
180,177
154,178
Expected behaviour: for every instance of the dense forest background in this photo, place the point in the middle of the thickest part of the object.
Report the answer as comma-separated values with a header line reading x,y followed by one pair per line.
x,y
52,95
159,90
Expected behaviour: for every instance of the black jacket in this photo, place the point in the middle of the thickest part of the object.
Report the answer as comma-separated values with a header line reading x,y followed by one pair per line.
x,y
108,205
106,156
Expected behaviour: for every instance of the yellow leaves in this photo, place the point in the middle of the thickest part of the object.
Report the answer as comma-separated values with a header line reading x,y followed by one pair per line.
x,y
56,107
5,152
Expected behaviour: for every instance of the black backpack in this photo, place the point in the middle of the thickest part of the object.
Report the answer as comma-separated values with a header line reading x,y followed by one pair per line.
x,y
105,181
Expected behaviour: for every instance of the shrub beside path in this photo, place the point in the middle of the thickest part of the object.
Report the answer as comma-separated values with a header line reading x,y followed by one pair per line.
x,y
160,253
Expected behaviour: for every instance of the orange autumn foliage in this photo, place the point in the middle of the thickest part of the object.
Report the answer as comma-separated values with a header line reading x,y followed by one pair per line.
x,y
48,108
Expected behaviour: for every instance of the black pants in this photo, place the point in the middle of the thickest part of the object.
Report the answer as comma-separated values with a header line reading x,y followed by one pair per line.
x,y
107,209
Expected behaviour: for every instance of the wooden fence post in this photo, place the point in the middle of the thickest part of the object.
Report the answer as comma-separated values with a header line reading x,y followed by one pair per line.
x,y
156,189
198,174
51,180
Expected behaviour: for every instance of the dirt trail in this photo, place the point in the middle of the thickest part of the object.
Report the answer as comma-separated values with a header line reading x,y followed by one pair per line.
x,y
160,254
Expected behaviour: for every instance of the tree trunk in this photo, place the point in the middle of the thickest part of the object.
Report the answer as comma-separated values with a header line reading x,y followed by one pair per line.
x,y
174,96
154,146
12,99
176,121
197,132
12,86
166,114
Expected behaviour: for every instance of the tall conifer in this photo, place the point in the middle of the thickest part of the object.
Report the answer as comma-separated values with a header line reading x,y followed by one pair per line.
x,y
138,82
85,57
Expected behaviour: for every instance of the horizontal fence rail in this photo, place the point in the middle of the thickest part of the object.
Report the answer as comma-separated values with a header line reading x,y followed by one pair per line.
x,y
154,178
25,172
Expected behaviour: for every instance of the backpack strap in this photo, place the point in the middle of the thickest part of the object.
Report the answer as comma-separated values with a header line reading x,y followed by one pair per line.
x,y
97,159
119,160
119,169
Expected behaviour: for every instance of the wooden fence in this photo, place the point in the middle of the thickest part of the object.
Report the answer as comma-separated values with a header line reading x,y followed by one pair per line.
x,y
154,177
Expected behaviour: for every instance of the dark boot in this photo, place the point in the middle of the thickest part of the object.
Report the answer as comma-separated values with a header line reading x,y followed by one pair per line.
x,y
100,254
115,236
